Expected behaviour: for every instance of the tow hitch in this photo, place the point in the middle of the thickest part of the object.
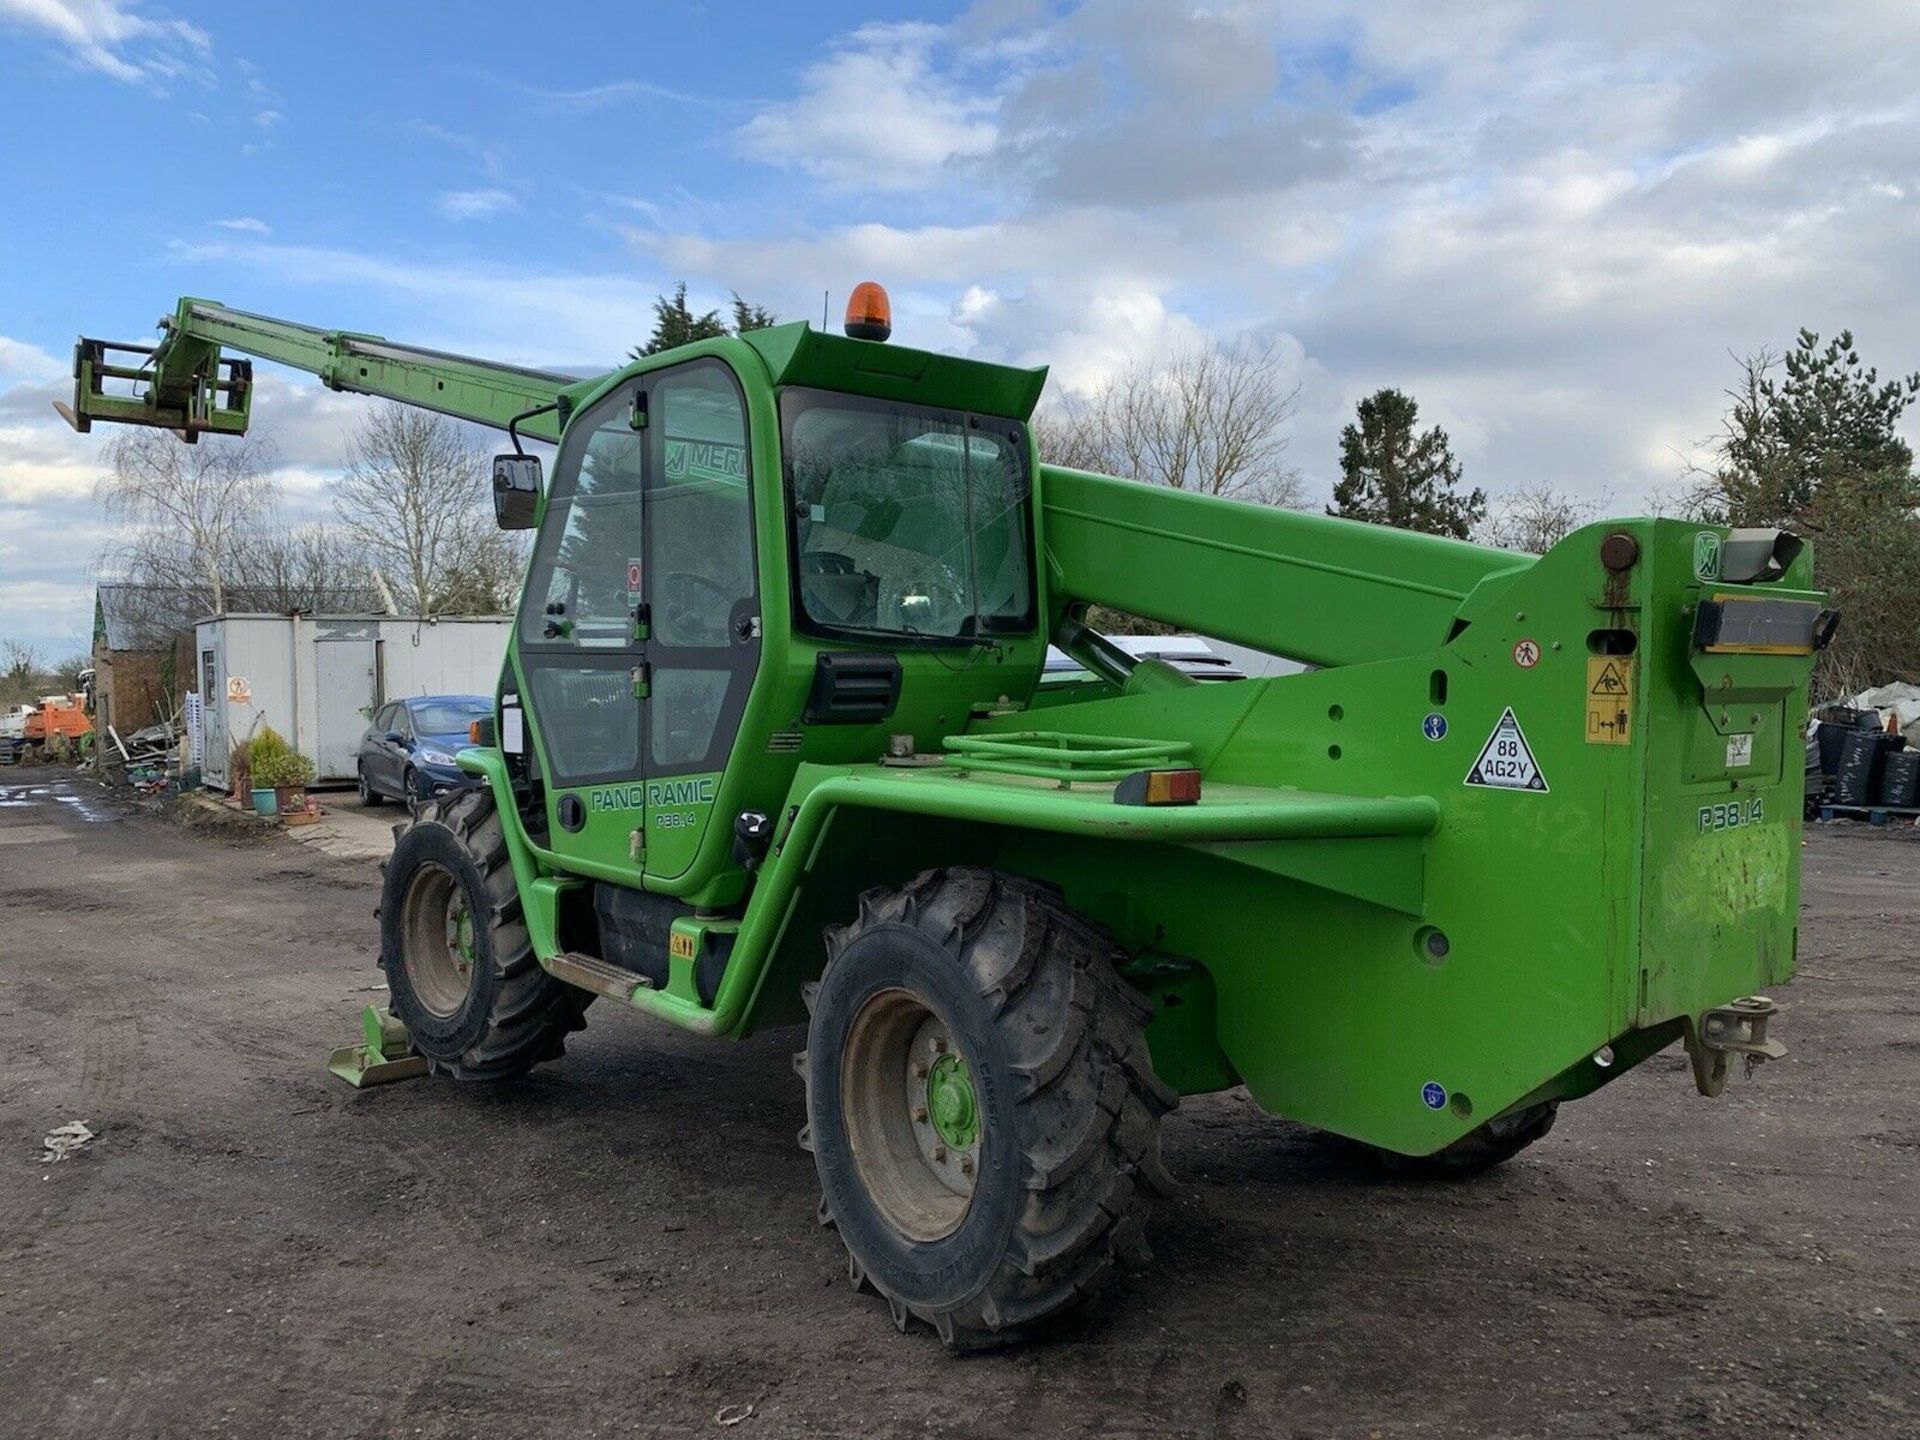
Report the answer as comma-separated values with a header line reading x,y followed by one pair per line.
x,y
1728,1030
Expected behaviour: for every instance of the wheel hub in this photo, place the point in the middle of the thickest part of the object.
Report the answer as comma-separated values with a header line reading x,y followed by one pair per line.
x,y
942,1106
460,934
950,1101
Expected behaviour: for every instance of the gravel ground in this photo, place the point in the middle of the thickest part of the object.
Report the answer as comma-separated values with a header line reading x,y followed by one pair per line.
x,y
626,1244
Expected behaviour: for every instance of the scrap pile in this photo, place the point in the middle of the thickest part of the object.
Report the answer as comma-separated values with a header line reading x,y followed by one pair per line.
x,y
1863,756
151,755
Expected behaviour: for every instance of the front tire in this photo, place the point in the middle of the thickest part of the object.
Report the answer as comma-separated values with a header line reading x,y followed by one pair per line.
x,y
369,797
460,967
981,1108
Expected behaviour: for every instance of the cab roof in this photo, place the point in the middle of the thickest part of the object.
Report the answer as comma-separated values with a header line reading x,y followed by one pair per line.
x,y
797,354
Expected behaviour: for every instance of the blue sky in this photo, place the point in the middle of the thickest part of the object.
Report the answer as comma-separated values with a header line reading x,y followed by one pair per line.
x,y
1550,223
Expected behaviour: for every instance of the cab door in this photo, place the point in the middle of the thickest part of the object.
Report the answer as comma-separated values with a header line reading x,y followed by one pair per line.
x,y
582,635
703,610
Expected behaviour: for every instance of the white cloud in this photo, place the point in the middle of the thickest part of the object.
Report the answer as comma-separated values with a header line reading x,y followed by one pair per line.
x,y
1550,223
20,361
117,38
246,224
565,319
54,600
475,204
616,93
877,114
55,529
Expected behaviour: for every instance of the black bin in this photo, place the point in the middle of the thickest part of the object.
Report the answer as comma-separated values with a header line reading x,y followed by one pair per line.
x,y
1900,778
1832,737
1858,783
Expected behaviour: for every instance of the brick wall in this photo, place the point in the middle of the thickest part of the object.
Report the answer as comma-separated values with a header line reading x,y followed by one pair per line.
x,y
131,690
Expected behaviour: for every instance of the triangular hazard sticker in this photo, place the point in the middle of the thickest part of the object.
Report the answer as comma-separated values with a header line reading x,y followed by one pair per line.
x,y
1506,760
1609,681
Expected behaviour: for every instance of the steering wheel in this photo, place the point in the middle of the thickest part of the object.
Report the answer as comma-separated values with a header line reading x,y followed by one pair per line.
x,y
825,562
684,618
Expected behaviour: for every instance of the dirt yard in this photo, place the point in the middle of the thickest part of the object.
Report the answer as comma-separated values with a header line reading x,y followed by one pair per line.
x,y
626,1244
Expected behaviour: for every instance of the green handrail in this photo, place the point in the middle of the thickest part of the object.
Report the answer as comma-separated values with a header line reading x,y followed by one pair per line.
x,y
1065,759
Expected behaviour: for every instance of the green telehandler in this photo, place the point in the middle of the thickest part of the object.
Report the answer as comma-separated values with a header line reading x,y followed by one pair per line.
x,y
771,745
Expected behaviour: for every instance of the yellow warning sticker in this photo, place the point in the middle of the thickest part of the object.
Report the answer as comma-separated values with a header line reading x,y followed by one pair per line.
x,y
681,945
1609,700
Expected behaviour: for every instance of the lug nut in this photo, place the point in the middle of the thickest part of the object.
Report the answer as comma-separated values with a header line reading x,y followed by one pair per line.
x,y
939,1046
940,1154
966,1164
920,1114
919,1069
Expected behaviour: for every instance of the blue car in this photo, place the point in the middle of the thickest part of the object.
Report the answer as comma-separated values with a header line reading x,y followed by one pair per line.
x,y
407,752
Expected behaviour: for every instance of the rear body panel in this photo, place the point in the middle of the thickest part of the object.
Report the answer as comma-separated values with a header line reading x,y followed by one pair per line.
x,y
1620,877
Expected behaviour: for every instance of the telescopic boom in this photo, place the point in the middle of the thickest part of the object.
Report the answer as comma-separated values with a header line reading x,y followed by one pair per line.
x,y
186,384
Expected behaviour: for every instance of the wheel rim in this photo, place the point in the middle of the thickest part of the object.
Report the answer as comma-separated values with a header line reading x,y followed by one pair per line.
x,y
912,1117
437,939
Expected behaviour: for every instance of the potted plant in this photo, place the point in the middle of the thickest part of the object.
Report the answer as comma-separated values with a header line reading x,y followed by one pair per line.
x,y
266,748
280,774
305,813
288,774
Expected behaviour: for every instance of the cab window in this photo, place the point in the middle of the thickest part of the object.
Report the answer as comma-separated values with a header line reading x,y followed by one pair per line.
x,y
907,521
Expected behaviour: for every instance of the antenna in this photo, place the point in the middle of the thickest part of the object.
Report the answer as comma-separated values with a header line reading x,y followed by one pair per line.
x,y
824,296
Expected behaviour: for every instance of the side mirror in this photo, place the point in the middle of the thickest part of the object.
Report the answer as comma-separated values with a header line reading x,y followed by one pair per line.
x,y
516,491
394,737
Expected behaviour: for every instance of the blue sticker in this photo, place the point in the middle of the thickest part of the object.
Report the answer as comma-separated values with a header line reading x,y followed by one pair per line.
x,y
1434,727
1434,1095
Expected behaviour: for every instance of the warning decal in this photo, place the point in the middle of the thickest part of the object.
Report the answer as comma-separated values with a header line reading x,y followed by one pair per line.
x,y
1506,760
1609,700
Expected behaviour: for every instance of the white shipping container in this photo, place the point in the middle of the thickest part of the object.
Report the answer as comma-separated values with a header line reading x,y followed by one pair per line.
x,y
317,679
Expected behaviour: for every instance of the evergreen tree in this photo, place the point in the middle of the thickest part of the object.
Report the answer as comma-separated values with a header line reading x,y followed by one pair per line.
x,y
674,323
1827,420
1808,444
1390,475
751,317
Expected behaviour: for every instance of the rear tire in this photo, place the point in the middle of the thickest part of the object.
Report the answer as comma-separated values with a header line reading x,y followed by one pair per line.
x,y
460,967
981,1108
1478,1151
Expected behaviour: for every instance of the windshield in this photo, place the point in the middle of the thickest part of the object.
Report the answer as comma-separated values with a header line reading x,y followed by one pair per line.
x,y
907,520
446,717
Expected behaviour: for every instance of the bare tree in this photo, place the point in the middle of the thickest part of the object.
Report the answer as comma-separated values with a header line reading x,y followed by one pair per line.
x,y
1064,434
414,502
1210,420
19,662
202,530
1535,518
487,579
185,509
308,566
